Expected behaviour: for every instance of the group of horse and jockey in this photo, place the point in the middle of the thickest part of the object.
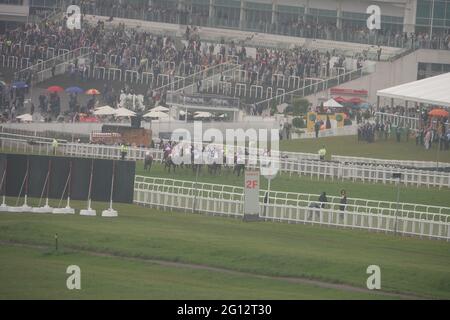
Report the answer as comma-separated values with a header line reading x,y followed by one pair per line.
x,y
195,156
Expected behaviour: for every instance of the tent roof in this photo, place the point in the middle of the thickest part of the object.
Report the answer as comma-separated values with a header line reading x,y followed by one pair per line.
x,y
123,112
332,104
156,114
434,90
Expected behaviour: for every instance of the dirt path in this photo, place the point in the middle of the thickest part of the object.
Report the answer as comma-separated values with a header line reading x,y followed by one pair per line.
x,y
299,280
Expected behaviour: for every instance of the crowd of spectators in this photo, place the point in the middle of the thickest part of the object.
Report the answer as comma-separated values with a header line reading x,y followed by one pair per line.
x,y
299,26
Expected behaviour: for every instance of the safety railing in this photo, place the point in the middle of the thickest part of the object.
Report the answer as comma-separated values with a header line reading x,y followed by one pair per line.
x,y
44,67
282,197
389,221
391,163
396,120
317,86
304,167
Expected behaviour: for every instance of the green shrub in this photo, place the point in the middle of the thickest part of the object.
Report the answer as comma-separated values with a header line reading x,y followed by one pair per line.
x,y
299,123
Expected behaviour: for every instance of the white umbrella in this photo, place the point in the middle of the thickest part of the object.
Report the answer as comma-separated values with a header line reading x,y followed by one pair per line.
x,y
105,111
156,114
332,104
123,112
202,115
182,113
161,109
25,117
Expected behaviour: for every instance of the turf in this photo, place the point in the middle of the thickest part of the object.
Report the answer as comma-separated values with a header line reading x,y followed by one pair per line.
x,y
36,273
350,146
407,265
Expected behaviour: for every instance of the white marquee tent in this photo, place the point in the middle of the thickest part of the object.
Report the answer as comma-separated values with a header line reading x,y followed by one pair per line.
x,y
434,91
332,104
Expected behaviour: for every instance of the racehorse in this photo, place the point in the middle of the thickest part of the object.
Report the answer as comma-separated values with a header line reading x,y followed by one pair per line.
x,y
167,160
148,161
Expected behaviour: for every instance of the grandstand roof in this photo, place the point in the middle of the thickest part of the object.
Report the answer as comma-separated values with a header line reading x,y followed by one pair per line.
x,y
434,90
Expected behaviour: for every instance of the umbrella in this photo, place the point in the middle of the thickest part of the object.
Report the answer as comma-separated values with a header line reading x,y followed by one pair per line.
x,y
19,85
438,113
105,111
356,100
362,106
25,117
202,115
340,100
55,89
74,90
332,104
160,108
123,112
156,114
92,92
2,83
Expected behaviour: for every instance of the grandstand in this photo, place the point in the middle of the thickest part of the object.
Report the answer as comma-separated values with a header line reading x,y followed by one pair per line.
x,y
360,157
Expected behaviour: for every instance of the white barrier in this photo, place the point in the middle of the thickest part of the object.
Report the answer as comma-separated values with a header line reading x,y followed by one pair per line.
x,y
389,162
205,201
312,168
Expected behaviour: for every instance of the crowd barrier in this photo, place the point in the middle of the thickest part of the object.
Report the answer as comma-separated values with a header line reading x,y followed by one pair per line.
x,y
197,198
391,163
302,167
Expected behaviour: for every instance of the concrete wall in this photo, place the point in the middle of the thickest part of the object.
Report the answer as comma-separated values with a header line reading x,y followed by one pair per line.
x,y
14,12
389,74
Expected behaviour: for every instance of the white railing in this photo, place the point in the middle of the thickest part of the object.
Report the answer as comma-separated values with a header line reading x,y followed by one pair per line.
x,y
412,123
282,197
365,173
388,221
312,168
318,85
392,163
43,68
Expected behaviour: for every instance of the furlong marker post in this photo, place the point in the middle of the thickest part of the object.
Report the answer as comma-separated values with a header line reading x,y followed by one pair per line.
x,y
89,211
67,209
111,212
3,206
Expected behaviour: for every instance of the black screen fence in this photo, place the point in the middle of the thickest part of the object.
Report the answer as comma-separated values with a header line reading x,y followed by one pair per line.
x,y
17,182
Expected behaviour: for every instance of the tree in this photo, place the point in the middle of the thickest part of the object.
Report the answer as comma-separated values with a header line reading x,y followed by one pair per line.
x,y
299,123
300,106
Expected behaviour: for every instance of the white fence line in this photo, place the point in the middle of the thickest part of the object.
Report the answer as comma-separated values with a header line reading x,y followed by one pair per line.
x,y
312,168
389,162
388,223
282,197
398,120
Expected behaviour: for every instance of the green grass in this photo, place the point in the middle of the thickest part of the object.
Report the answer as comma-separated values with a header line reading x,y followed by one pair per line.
x,y
32,273
333,255
350,146
303,184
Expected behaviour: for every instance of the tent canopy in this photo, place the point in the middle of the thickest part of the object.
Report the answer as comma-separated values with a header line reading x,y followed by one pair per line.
x,y
160,108
434,90
332,104
105,111
123,112
26,117
156,114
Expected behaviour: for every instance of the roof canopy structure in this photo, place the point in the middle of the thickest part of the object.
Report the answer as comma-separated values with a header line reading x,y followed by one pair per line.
x,y
434,90
332,104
